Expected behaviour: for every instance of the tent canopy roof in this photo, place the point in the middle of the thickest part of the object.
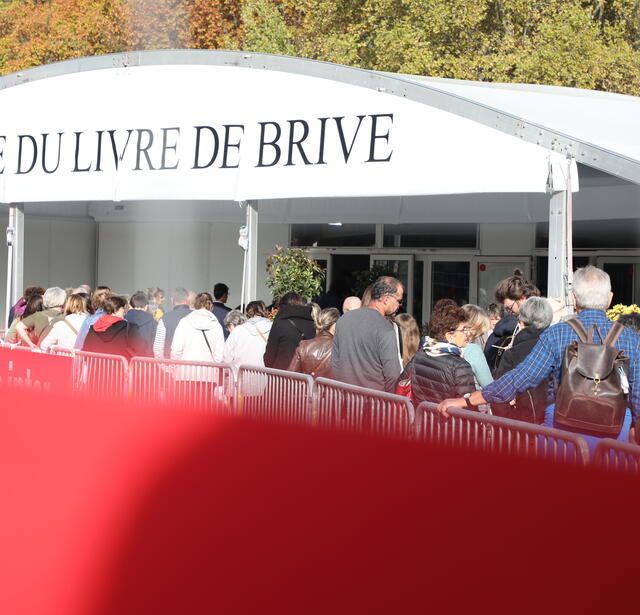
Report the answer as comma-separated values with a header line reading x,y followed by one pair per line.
x,y
599,129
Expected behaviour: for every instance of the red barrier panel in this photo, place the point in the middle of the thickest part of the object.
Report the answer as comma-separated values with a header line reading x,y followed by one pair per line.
x,y
21,368
112,509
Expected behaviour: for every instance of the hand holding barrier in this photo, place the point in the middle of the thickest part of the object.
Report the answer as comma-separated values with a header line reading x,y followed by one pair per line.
x,y
274,394
613,455
492,433
191,384
346,406
61,351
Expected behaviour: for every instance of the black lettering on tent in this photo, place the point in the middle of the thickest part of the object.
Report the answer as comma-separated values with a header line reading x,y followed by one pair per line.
x,y
216,141
77,154
347,152
117,158
227,145
34,145
166,147
44,152
99,152
4,141
375,136
323,126
298,142
144,150
273,144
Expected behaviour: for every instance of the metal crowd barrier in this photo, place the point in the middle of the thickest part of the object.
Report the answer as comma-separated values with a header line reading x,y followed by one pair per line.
x,y
338,405
613,455
273,394
203,386
61,351
18,347
491,433
100,374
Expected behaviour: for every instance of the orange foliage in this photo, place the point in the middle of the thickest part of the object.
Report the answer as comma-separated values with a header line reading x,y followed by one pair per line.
x,y
214,24
39,33
35,33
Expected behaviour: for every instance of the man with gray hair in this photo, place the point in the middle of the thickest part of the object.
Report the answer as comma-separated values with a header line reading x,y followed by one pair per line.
x,y
591,297
365,346
33,329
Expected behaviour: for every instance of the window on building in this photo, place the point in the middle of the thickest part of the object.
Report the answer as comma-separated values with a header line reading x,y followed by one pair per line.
x,y
428,235
594,234
322,235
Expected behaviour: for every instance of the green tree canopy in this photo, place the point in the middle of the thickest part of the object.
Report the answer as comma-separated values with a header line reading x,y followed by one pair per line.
x,y
580,43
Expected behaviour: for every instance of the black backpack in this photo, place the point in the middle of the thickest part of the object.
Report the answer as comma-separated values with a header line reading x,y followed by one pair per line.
x,y
590,397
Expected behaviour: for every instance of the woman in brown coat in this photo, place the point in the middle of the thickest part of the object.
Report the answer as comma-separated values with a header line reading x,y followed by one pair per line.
x,y
313,356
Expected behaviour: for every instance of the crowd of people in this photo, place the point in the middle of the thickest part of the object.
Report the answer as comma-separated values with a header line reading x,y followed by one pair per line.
x,y
506,359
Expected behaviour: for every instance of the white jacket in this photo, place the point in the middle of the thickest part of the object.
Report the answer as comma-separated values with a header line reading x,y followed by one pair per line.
x,y
245,346
189,342
62,334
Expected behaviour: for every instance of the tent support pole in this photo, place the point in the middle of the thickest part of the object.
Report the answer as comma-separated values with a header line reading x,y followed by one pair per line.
x,y
252,252
557,282
15,256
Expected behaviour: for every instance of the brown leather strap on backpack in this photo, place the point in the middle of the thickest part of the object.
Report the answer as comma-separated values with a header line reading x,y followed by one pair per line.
x,y
587,337
614,334
581,332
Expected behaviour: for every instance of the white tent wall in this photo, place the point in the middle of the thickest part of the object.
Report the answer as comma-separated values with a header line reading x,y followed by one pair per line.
x,y
168,243
195,255
60,252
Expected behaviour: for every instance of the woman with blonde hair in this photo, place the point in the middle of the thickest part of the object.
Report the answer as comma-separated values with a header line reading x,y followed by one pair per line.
x,y
313,356
410,336
65,332
478,326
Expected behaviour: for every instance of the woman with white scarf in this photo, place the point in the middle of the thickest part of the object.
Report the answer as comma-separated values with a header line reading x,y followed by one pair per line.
x,y
438,370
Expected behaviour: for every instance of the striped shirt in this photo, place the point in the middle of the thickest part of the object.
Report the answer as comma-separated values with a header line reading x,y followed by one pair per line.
x,y
545,360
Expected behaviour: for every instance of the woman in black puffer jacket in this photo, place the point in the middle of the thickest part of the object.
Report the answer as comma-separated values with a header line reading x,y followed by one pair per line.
x,y
438,370
293,324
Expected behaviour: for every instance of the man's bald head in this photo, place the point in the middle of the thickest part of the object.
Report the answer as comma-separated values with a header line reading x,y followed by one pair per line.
x,y
351,303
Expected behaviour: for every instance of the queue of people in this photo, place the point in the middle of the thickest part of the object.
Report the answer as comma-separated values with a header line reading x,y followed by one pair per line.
x,y
507,359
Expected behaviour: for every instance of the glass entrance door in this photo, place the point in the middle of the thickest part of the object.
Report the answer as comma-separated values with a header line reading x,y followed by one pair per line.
x,y
400,266
493,269
625,277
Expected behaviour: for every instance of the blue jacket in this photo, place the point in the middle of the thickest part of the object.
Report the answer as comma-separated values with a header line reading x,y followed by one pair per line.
x,y
146,328
220,310
545,360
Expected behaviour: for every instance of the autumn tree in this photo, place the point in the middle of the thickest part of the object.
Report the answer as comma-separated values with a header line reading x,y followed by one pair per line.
x,y
581,43
39,33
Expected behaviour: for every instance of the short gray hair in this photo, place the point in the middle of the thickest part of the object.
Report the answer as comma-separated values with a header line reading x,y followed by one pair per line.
x,y
536,312
235,318
54,297
591,286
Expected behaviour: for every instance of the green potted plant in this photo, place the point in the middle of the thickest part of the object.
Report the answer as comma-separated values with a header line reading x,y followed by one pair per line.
x,y
292,270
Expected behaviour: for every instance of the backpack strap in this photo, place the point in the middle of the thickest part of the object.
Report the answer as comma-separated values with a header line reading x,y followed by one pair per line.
x,y
208,345
614,334
581,332
66,322
295,326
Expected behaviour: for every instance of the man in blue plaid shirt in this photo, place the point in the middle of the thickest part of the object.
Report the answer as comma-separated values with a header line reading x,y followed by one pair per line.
x,y
591,296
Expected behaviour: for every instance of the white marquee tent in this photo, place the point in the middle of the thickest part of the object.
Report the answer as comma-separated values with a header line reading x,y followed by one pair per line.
x,y
298,137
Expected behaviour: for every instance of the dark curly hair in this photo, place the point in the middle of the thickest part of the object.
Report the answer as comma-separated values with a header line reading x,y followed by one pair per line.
x,y
515,287
446,316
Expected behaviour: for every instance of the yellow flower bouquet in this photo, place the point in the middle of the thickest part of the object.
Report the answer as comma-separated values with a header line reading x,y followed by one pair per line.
x,y
618,310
